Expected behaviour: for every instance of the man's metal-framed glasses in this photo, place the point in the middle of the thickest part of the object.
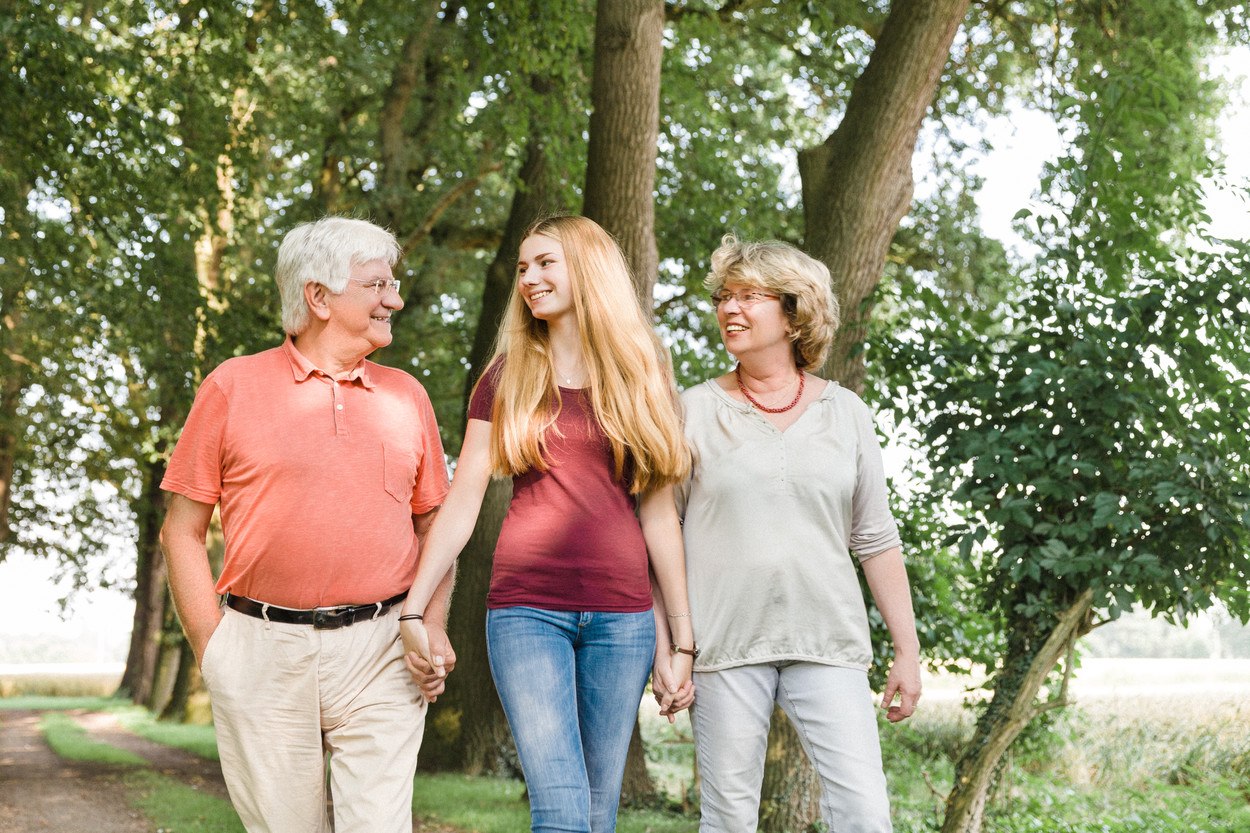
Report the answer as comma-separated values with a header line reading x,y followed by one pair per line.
x,y
745,299
378,284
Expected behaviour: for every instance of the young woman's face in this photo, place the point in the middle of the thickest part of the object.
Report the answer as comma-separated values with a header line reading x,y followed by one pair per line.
x,y
543,278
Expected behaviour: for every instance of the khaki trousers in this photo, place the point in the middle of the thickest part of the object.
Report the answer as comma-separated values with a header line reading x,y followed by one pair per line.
x,y
286,696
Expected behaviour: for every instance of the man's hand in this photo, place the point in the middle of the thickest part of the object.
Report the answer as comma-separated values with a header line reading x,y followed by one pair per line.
x,y
429,657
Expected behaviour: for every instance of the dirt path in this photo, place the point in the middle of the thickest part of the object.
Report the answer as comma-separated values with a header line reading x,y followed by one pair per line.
x,y
41,792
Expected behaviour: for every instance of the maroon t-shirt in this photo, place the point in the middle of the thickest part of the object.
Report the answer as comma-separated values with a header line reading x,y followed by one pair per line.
x,y
571,540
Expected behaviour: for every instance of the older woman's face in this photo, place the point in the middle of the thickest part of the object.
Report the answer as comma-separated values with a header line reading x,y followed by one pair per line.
x,y
751,320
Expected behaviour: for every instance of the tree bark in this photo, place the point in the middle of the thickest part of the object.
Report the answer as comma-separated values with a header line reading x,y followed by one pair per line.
x,y
790,795
469,726
466,729
531,200
1033,652
394,149
620,190
10,397
857,187
151,592
14,365
624,131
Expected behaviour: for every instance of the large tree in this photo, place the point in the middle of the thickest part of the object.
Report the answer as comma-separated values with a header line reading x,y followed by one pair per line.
x,y
140,221
857,186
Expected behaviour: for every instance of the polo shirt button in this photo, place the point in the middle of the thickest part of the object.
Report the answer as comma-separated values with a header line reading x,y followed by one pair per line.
x,y
340,407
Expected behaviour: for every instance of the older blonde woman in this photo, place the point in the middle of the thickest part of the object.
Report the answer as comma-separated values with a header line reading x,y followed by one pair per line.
x,y
787,484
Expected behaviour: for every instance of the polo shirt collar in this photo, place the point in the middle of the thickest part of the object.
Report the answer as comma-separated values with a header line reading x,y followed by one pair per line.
x,y
302,369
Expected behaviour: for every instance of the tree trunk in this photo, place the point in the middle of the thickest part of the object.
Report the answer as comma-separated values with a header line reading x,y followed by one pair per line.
x,y
168,662
187,697
11,390
637,786
624,131
531,200
790,796
151,592
620,190
857,186
466,729
187,684
394,148
1032,654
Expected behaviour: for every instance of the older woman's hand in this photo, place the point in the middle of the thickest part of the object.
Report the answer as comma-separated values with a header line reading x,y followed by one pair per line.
x,y
670,682
904,681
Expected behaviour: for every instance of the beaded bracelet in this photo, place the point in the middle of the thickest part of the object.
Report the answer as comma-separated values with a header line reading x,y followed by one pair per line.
x,y
678,615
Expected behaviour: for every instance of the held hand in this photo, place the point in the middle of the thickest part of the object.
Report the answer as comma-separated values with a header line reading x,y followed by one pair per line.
x,y
904,680
417,654
431,676
671,683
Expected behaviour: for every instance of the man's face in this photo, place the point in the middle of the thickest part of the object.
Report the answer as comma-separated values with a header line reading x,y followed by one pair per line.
x,y
361,314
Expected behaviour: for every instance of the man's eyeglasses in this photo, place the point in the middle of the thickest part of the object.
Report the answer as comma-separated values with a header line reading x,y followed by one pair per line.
x,y
745,299
378,285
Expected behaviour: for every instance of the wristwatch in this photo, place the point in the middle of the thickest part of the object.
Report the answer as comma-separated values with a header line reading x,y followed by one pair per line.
x,y
693,652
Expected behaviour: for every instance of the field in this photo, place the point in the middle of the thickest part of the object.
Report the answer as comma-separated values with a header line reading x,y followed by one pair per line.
x,y
1151,745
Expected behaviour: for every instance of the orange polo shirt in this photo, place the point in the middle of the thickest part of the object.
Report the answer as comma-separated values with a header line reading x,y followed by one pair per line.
x,y
318,478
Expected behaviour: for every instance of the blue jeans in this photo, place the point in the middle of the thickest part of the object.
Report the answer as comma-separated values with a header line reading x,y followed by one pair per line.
x,y
571,684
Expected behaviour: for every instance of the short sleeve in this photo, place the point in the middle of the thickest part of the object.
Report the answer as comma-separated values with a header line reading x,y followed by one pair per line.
x,y
195,467
432,481
482,402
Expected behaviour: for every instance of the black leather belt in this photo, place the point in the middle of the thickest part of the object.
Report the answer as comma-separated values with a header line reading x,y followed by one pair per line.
x,y
321,618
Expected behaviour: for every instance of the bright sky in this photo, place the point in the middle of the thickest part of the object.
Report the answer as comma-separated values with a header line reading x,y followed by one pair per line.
x,y
29,594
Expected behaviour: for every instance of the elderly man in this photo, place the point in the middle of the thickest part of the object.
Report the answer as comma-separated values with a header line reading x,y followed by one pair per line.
x,y
328,469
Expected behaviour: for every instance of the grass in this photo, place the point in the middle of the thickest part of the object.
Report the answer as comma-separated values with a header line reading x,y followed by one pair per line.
x,y
1126,759
69,740
1117,763
493,805
196,738
43,702
174,806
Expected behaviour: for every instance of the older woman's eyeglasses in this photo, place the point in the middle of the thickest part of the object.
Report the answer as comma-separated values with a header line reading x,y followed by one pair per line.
x,y
745,299
378,284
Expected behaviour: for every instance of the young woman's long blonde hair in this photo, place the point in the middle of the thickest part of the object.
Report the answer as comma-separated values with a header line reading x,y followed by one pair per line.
x,y
630,374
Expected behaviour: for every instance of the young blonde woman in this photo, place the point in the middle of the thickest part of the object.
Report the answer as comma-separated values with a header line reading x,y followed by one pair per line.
x,y
578,408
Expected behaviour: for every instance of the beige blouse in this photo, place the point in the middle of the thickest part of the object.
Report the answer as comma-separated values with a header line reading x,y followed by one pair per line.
x,y
770,519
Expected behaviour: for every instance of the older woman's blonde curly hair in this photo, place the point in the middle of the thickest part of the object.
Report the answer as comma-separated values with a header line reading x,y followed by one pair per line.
x,y
802,282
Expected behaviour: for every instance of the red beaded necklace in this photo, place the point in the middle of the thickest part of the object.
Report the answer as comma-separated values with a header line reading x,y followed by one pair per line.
x,y
751,399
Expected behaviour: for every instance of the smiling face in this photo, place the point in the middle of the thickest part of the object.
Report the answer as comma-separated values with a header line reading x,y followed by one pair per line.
x,y
362,316
760,327
543,278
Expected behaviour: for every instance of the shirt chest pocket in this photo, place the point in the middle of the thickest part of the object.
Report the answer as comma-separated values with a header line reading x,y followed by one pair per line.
x,y
399,472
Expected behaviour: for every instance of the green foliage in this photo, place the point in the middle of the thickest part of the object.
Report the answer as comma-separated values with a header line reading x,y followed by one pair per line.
x,y
1087,424
1100,444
